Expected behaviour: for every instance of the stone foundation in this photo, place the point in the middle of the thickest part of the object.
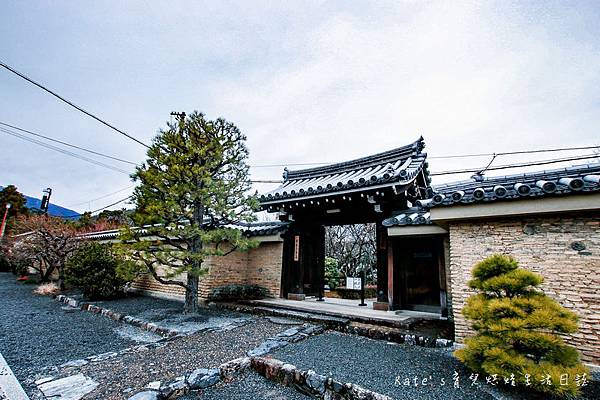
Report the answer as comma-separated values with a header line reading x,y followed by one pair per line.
x,y
564,250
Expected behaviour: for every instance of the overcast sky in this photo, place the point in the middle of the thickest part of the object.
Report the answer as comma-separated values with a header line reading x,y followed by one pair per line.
x,y
305,81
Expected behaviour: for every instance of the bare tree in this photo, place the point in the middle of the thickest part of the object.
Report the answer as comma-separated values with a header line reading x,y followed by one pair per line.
x,y
44,243
354,247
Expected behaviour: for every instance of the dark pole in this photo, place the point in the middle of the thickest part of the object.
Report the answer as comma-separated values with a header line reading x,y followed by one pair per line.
x,y
321,261
362,288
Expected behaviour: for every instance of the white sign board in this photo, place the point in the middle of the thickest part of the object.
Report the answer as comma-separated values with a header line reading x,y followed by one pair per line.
x,y
353,283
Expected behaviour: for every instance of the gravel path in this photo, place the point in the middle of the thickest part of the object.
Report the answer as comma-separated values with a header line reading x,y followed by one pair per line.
x,y
169,313
139,305
376,364
131,372
249,386
37,332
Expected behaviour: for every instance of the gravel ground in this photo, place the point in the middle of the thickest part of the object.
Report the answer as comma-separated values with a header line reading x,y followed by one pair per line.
x,y
249,386
168,313
139,305
36,331
132,372
375,365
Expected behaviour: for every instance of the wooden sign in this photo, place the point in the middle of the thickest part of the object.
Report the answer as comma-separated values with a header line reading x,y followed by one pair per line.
x,y
296,248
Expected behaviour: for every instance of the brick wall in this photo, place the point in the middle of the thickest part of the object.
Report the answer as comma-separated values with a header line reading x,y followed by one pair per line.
x,y
260,266
544,246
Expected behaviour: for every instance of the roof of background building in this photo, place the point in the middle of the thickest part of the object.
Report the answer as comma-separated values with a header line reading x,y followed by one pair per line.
x,y
575,180
394,167
412,216
252,229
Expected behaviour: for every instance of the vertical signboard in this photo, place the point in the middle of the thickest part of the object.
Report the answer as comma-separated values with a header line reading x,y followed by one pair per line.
x,y
297,248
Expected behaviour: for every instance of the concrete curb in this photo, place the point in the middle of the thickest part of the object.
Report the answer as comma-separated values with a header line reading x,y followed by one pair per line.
x,y
10,388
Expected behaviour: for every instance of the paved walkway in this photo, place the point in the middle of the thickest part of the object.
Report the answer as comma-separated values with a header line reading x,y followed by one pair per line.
x,y
10,388
344,308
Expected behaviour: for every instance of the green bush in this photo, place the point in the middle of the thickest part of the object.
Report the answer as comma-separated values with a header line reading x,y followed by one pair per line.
x,y
238,292
93,268
354,294
332,273
517,330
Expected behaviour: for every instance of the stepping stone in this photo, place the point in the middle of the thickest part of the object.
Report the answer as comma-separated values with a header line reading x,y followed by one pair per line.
x,y
147,395
69,388
283,321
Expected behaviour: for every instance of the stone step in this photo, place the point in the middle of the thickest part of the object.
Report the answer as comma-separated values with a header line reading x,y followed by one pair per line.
x,y
327,320
425,338
408,323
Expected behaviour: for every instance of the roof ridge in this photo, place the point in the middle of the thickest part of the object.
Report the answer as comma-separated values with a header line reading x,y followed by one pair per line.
x,y
413,148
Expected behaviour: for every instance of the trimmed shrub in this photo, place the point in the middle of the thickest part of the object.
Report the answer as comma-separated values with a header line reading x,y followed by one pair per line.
x,y
93,268
238,292
354,294
517,330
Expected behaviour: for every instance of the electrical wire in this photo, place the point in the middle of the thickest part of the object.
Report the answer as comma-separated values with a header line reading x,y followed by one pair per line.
x,y
473,155
68,144
99,209
519,165
75,106
63,151
101,197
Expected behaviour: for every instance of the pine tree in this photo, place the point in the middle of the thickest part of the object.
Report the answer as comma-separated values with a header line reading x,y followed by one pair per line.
x,y
195,182
517,329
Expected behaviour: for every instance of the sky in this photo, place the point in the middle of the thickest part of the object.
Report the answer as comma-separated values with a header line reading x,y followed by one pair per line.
x,y
306,81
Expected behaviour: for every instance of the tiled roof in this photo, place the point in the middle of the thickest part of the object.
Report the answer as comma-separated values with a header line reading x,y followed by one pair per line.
x,y
412,216
249,229
556,182
394,167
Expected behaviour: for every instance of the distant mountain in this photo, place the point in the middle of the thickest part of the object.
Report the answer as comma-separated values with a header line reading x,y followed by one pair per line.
x,y
53,209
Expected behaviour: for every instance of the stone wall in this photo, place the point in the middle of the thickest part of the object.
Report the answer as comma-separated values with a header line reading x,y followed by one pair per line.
x,y
259,266
565,250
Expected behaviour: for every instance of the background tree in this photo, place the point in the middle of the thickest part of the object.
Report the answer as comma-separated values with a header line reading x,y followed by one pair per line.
x,y
332,273
10,195
354,247
195,182
517,329
45,243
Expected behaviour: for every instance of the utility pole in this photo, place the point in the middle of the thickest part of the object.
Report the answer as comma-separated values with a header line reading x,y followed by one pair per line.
x,y
4,221
180,115
46,200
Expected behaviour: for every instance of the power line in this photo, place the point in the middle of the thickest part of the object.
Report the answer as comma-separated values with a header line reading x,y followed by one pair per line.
x,y
488,168
101,197
99,209
63,151
83,158
14,71
507,166
472,155
68,144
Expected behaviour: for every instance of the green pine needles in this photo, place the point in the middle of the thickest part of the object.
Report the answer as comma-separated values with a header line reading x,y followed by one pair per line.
x,y
517,330
193,186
